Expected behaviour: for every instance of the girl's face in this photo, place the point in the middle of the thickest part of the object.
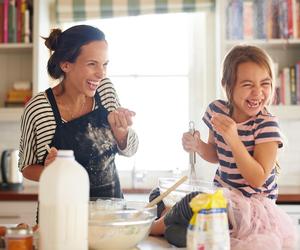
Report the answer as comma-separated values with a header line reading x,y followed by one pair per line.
x,y
252,91
86,73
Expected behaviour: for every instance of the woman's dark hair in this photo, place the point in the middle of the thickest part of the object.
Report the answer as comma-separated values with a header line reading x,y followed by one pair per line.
x,y
65,46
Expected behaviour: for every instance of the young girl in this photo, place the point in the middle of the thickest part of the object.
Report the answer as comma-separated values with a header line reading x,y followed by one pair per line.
x,y
244,138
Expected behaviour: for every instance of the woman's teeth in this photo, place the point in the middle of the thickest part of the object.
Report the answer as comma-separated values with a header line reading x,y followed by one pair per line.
x,y
93,84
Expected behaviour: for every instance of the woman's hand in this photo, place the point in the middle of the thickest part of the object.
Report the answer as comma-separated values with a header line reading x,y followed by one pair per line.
x,y
120,120
52,154
191,142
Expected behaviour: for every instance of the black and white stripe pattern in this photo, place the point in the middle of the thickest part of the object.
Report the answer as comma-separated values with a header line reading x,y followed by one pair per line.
x,y
38,126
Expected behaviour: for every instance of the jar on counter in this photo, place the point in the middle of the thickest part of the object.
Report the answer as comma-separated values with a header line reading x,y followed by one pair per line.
x,y
18,239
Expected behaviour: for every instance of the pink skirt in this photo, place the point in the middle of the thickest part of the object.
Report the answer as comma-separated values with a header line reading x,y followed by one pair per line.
x,y
258,223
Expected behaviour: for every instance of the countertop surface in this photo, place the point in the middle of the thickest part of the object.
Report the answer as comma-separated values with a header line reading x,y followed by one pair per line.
x,y
287,194
157,243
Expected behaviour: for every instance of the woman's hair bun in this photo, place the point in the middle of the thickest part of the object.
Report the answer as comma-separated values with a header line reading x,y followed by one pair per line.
x,y
51,42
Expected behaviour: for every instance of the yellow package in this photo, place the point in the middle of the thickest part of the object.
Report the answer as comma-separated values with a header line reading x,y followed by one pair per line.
x,y
208,228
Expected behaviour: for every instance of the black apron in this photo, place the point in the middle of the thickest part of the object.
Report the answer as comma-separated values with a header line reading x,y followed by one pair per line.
x,y
94,146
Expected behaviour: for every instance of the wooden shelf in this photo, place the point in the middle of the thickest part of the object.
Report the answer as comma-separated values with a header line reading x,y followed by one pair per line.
x,y
13,48
11,114
16,46
290,112
274,43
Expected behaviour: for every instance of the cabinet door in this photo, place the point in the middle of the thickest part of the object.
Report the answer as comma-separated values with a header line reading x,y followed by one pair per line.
x,y
15,212
294,212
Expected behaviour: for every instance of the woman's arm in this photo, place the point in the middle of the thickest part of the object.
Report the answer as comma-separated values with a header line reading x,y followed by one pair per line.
x,y
33,172
131,144
120,119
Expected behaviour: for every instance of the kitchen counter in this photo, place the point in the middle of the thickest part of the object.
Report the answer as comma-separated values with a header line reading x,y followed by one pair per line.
x,y
287,194
157,243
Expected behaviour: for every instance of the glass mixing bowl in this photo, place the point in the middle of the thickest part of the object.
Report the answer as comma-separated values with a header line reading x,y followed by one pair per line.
x,y
184,189
120,228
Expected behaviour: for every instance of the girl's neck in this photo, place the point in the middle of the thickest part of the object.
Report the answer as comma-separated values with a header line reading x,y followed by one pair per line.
x,y
239,118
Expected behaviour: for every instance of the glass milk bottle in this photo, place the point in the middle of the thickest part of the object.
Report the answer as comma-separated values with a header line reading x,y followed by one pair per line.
x,y
63,204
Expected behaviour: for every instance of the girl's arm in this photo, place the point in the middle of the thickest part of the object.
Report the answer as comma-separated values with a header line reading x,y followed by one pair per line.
x,y
209,152
193,143
254,169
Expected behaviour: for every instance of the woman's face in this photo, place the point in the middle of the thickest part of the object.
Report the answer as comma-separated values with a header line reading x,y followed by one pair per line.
x,y
86,73
252,91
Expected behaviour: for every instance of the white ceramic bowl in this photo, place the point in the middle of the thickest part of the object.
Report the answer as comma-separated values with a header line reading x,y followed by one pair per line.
x,y
119,229
184,189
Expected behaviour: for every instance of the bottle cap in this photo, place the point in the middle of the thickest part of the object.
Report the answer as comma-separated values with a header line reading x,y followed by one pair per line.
x,y
65,153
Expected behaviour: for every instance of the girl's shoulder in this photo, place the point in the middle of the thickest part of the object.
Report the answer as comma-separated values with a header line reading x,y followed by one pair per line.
x,y
265,116
218,106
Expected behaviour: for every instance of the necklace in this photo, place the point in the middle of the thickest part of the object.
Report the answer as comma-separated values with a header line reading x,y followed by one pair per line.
x,y
73,114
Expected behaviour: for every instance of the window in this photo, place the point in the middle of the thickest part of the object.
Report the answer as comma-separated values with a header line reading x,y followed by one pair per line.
x,y
158,64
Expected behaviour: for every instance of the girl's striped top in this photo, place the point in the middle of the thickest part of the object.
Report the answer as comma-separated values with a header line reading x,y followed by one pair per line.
x,y
258,129
38,125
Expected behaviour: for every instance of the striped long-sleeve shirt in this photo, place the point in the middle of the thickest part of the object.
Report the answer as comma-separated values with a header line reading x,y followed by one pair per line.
x,y
38,125
258,129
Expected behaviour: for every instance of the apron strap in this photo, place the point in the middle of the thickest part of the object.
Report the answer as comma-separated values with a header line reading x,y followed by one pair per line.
x,y
53,104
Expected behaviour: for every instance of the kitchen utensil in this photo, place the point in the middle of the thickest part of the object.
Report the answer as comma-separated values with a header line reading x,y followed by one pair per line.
x,y
184,189
192,156
167,191
119,229
11,177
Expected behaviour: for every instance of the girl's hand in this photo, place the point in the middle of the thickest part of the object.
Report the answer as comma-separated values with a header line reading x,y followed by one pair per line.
x,y
224,125
52,153
120,120
191,142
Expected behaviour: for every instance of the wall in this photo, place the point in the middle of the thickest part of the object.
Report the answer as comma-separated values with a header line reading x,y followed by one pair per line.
x,y
289,157
9,135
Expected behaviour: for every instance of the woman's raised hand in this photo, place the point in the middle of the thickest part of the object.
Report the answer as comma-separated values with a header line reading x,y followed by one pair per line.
x,y
120,120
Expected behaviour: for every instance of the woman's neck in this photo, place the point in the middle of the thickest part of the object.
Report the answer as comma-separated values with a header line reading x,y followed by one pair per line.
x,y
71,103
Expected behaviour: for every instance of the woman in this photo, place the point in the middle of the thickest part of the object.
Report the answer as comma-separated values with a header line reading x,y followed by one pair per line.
x,y
82,113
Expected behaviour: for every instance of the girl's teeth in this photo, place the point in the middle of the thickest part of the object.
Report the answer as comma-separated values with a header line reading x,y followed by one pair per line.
x,y
253,104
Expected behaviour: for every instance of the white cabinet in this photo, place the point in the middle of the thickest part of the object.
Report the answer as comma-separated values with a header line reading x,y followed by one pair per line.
x,y
294,212
285,52
15,212
25,61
